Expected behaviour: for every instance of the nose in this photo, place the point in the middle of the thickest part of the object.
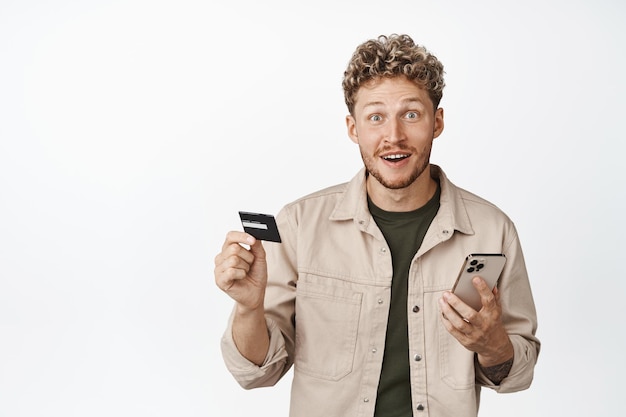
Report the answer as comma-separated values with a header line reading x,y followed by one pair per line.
x,y
395,131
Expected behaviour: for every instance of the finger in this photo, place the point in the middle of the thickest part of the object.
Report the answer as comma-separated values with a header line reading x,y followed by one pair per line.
x,y
462,310
238,237
227,266
487,297
237,262
226,277
232,264
496,293
258,250
457,313
458,328
233,247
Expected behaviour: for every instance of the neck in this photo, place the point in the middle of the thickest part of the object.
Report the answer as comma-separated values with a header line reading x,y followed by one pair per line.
x,y
404,199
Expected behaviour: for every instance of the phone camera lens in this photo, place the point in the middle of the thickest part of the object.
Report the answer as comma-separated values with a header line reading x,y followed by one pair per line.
x,y
474,262
471,269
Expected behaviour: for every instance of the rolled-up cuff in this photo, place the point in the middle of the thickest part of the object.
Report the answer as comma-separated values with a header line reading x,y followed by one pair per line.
x,y
248,374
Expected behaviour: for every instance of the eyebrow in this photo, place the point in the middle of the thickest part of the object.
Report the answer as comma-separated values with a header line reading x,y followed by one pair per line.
x,y
404,101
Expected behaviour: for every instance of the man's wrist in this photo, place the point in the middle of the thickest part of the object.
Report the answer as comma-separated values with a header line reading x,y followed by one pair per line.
x,y
497,373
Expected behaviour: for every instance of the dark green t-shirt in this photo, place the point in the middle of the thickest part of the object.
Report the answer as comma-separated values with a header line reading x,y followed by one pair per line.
x,y
404,233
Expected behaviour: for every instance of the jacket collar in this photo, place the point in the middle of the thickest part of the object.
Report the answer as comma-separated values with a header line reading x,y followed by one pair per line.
x,y
452,214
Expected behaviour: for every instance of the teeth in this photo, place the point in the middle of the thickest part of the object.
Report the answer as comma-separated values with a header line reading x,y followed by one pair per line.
x,y
396,156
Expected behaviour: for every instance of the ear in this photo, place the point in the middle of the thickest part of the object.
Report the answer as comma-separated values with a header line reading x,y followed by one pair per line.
x,y
351,125
438,122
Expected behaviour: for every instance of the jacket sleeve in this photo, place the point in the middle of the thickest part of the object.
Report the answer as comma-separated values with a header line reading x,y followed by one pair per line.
x,y
519,317
248,374
279,315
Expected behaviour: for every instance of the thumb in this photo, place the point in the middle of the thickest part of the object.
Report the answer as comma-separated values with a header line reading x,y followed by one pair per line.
x,y
258,250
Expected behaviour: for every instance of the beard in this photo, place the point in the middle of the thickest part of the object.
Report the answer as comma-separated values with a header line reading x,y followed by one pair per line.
x,y
423,161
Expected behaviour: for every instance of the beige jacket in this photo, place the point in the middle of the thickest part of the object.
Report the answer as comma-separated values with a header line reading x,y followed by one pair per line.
x,y
328,297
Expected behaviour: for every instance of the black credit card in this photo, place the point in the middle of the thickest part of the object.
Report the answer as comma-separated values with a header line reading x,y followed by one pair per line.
x,y
261,226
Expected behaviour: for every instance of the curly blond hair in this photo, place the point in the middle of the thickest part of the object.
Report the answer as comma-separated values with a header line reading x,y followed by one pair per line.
x,y
393,56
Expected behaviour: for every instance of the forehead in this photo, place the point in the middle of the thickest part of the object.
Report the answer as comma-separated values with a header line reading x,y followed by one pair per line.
x,y
390,92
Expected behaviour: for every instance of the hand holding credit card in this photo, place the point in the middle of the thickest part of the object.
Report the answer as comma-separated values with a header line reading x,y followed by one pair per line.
x,y
261,226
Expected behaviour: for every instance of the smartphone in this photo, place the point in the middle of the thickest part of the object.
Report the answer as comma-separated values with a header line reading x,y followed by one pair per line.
x,y
488,266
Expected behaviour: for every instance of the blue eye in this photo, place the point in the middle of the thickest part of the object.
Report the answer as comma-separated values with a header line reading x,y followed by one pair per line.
x,y
376,118
412,115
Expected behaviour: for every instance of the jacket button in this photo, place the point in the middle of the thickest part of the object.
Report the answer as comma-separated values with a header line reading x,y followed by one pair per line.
x,y
420,407
416,309
417,357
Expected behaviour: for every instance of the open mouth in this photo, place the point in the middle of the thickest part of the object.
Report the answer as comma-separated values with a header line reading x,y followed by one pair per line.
x,y
396,157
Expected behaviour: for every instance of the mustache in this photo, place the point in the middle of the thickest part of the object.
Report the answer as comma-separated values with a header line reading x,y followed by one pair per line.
x,y
398,148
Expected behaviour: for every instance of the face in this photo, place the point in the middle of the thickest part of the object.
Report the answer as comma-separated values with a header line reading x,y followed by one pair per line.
x,y
394,124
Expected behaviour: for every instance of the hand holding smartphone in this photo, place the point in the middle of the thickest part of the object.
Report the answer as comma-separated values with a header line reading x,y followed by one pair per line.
x,y
488,266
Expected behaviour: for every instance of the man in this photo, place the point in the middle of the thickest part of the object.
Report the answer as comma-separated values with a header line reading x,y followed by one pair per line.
x,y
357,296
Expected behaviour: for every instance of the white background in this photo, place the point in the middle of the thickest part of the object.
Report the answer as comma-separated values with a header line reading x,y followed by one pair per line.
x,y
132,131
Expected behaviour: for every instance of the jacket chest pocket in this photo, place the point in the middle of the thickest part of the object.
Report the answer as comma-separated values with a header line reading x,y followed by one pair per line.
x,y
327,323
456,363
